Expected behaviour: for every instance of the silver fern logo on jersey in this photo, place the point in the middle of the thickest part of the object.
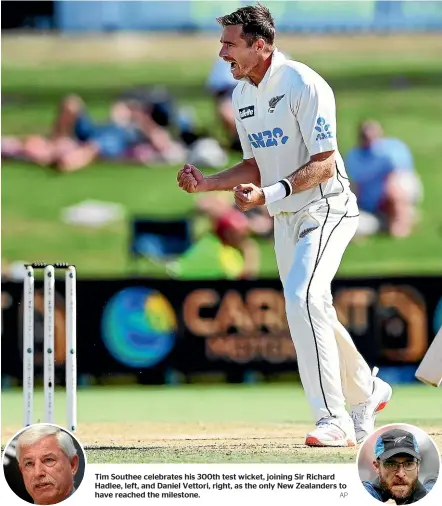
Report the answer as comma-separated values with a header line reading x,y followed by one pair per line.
x,y
273,102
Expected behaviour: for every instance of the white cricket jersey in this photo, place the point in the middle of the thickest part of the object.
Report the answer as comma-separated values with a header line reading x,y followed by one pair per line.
x,y
282,122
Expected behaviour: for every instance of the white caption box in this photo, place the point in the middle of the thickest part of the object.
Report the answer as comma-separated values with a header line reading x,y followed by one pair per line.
x,y
348,487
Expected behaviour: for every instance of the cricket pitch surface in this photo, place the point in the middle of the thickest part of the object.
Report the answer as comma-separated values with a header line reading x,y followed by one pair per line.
x,y
207,443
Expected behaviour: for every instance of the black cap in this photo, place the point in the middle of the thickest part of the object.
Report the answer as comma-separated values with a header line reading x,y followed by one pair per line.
x,y
394,442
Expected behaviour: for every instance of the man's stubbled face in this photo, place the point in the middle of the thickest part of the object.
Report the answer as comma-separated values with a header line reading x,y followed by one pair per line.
x,y
242,58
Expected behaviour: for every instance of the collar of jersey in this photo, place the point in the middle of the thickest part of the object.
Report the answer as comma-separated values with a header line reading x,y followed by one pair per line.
x,y
278,60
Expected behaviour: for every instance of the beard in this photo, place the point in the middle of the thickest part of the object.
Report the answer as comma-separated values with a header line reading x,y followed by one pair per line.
x,y
400,495
242,70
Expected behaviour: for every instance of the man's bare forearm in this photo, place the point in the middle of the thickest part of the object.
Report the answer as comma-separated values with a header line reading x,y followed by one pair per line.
x,y
312,174
246,171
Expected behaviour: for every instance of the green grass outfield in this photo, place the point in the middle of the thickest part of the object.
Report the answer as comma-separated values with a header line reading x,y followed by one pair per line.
x,y
394,79
211,424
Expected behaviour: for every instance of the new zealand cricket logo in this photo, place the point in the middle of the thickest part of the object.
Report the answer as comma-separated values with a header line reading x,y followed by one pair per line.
x,y
273,102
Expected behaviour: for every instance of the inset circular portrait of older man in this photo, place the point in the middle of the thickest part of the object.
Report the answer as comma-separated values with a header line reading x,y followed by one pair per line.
x,y
399,464
44,464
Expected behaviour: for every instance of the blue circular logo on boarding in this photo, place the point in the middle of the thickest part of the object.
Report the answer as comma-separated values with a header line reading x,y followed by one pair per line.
x,y
139,327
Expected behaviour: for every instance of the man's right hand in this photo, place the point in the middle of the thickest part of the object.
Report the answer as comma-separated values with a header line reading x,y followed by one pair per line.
x,y
191,180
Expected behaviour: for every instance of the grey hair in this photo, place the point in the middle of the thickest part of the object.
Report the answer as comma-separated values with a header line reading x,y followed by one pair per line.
x,y
38,432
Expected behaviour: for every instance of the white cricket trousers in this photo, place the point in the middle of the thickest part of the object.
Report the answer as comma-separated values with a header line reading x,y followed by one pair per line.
x,y
309,246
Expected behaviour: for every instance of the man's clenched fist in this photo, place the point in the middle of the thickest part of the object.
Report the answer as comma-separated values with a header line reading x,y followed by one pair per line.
x,y
248,196
191,180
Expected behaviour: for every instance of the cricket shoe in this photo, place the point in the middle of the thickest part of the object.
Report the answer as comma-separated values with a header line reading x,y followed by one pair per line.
x,y
364,414
332,431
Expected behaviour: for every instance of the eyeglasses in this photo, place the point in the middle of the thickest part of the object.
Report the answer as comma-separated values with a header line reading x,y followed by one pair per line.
x,y
392,466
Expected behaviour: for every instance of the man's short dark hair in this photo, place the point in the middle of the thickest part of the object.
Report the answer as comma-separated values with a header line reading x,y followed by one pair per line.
x,y
256,20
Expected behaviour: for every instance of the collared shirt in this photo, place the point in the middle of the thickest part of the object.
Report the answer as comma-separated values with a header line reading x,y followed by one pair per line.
x,y
374,489
370,167
282,122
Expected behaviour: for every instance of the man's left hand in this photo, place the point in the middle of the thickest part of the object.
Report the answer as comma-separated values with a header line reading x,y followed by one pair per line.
x,y
248,196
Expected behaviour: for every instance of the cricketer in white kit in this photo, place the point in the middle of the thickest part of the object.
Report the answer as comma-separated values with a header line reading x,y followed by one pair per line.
x,y
286,120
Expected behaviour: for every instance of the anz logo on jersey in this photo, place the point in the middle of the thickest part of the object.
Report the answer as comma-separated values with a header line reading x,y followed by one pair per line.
x,y
324,130
268,138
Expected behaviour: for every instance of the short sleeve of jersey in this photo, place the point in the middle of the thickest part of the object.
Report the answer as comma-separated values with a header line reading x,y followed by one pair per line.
x,y
314,107
242,134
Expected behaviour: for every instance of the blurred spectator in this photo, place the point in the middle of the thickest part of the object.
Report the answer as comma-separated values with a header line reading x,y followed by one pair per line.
x,y
221,85
227,250
260,223
232,228
160,105
383,177
76,140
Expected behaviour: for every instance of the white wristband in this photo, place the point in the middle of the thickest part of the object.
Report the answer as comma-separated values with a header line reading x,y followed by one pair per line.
x,y
274,193
277,191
